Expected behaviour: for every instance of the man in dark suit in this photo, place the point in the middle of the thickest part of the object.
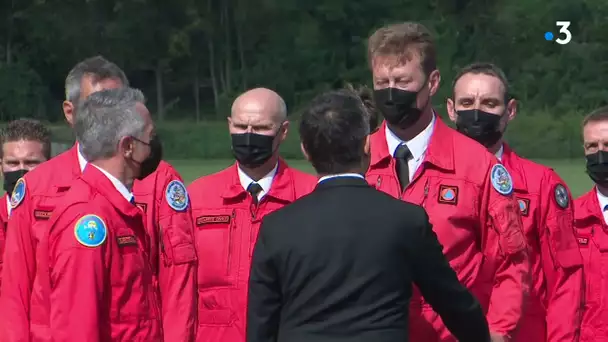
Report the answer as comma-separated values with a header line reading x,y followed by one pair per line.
x,y
339,263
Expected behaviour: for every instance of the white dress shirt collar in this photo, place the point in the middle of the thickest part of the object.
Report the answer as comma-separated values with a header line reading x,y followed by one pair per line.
x,y
500,151
9,207
341,175
265,182
126,193
417,145
81,161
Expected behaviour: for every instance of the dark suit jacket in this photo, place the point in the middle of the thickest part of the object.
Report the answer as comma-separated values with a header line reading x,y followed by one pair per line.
x,y
339,263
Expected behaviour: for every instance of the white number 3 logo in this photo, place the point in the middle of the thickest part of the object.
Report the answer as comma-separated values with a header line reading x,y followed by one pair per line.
x,y
563,28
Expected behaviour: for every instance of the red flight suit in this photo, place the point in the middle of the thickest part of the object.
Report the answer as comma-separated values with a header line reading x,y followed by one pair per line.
x,y
551,312
592,234
3,222
171,232
480,229
227,225
99,277
45,185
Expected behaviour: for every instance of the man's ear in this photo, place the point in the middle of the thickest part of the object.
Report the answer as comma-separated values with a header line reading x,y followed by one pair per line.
x,y
68,112
126,146
451,109
366,145
512,109
304,152
284,131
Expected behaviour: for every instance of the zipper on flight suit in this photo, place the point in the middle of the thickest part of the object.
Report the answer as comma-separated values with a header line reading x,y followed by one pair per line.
x,y
230,229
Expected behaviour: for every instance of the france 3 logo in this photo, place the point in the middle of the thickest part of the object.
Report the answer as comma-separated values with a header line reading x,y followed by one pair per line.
x,y
564,34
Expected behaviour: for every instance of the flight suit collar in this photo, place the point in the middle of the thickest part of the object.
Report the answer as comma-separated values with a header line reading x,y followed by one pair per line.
x,y
512,162
589,206
440,151
103,185
282,188
73,160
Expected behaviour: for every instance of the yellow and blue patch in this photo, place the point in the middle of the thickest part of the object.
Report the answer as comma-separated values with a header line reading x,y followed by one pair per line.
x,y
501,180
18,193
90,231
177,196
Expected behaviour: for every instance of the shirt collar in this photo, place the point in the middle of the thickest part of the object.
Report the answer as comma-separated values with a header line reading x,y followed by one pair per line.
x,y
9,207
81,161
265,182
602,199
500,152
417,145
340,176
128,195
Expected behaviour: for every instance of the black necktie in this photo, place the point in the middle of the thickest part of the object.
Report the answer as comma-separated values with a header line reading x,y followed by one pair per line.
x,y
132,200
254,189
402,155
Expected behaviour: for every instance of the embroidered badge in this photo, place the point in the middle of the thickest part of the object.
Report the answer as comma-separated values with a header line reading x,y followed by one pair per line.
x,y
212,219
524,206
582,241
448,194
18,193
90,231
42,214
128,240
501,180
176,195
142,206
561,196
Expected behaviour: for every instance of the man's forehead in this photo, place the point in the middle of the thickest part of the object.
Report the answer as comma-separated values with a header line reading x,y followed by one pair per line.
x,y
481,85
396,65
22,148
596,130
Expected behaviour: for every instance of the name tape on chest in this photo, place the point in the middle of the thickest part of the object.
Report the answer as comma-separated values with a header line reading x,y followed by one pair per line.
x,y
582,241
90,231
41,214
448,194
212,219
177,196
127,240
18,193
524,206
562,199
501,180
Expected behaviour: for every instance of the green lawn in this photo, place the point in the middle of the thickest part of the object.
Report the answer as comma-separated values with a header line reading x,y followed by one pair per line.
x,y
572,171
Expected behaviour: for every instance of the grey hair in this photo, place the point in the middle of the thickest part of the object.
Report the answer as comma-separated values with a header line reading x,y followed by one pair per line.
x,y
106,117
97,67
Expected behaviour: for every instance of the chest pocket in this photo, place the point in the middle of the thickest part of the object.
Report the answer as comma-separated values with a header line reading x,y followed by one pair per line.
x,y
593,244
217,242
129,270
42,210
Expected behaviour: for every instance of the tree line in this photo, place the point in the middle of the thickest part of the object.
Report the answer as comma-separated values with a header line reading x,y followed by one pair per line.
x,y
192,57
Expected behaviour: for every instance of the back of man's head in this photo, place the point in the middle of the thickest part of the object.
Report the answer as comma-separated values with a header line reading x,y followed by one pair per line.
x,y
106,117
334,130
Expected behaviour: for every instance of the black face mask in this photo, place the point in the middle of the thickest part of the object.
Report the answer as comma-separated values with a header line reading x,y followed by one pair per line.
x,y
150,164
597,167
251,149
398,106
479,125
11,178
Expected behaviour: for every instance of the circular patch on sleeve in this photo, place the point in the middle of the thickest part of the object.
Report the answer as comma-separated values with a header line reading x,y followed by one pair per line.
x,y
90,231
561,196
18,193
501,180
176,195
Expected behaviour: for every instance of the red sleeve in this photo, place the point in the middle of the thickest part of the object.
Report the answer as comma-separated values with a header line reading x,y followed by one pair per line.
x,y
506,243
18,274
561,261
177,269
77,275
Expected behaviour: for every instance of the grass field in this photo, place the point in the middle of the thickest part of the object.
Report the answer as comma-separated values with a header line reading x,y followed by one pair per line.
x,y
572,171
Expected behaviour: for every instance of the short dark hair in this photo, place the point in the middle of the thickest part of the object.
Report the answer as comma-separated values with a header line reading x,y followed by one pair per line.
x,y
484,68
400,41
29,130
367,97
96,67
333,129
600,114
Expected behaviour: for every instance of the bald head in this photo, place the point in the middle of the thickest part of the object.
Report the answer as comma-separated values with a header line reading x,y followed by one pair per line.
x,y
260,102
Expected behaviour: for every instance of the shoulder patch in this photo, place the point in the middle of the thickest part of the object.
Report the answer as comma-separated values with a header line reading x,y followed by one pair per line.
x,y
501,180
561,196
176,195
90,231
18,193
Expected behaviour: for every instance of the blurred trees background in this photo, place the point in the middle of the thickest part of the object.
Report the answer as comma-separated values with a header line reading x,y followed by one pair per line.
x,y
192,58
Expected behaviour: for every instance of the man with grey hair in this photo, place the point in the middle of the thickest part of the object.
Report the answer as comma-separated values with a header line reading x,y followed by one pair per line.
x,y
95,254
229,206
161,196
